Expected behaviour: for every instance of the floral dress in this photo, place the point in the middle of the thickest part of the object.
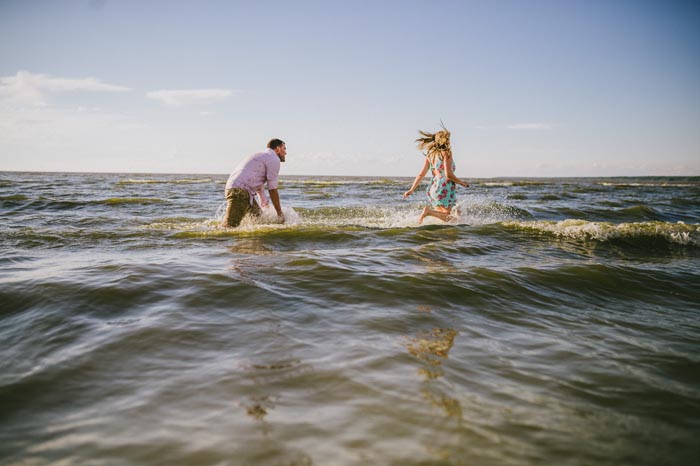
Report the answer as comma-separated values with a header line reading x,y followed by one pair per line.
x,y
441,192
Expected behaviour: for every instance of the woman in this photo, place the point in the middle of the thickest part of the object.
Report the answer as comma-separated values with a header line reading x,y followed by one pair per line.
x,y
442,189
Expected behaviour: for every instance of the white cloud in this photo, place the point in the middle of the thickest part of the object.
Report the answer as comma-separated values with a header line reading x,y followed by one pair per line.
x,y
32,89
530,126
182,97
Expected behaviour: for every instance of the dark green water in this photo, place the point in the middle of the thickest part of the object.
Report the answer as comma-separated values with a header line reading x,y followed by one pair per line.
x,y
556,321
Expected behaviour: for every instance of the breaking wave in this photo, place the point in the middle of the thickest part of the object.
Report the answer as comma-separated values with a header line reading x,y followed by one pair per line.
x,y
676,233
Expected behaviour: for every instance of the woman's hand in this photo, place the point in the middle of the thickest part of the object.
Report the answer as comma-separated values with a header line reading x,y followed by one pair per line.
x,y
407,193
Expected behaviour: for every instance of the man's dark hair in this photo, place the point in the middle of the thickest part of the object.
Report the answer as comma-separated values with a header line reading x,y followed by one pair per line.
x,y
274,143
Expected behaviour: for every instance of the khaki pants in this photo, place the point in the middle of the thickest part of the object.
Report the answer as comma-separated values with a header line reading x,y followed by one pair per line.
x,y
238,205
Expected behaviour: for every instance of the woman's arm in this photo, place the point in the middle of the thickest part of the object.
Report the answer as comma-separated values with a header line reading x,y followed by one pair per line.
x,y
448,170
419,178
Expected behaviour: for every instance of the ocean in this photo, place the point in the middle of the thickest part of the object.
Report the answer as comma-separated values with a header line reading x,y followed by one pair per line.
x,y
552,322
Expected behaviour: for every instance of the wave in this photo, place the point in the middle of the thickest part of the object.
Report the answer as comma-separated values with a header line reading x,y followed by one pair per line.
x,y
13,200
610,203
590,189
639,211
318,194
496,183
676,233
669,184
14,197
129,200
628,214
23,203
164,181
318,183
551,197
286,233
47,237
693,201
520,183
344,227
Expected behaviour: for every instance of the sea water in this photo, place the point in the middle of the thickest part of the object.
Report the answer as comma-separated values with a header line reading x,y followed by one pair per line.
x,y
552,321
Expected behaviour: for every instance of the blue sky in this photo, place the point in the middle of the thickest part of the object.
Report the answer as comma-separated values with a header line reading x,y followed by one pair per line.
x,y
528,88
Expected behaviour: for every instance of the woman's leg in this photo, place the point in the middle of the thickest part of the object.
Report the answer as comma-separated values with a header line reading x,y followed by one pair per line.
x,y
442,213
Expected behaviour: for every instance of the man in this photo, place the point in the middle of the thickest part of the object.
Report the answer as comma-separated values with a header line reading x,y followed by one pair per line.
x,y
250,177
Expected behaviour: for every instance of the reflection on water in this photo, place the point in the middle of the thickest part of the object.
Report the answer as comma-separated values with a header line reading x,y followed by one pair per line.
x,y
250,246
450,406
258,406
432,346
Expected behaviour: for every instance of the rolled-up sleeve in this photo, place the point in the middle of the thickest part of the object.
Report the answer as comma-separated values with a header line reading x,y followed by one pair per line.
x,y
273,169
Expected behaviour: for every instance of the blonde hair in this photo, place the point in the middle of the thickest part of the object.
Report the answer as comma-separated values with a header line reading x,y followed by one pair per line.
x,y
434,142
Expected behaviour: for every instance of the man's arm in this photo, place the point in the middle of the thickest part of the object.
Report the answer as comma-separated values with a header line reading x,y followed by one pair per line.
x,y
263,199
275,198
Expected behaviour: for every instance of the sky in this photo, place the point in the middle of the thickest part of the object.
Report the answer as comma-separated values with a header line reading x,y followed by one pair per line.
x,y
528,88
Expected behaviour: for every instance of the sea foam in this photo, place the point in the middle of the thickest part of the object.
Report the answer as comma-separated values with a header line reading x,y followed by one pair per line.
x,y
677,233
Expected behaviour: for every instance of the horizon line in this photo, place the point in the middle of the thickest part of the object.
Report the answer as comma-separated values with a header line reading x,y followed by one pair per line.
x,y
223,174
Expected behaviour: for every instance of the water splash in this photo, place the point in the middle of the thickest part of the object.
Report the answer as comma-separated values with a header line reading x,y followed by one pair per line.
x,y
483,210
477,210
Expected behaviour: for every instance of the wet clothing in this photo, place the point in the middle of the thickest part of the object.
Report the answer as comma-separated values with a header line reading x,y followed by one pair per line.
x,y
441,192
247,179
238,205
254,171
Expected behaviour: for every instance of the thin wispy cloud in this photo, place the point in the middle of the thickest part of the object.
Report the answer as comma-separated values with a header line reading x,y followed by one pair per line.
x,y
29,88
184,97
530,126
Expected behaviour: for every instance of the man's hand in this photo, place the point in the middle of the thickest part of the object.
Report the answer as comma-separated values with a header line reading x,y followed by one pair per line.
x,y
275,198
